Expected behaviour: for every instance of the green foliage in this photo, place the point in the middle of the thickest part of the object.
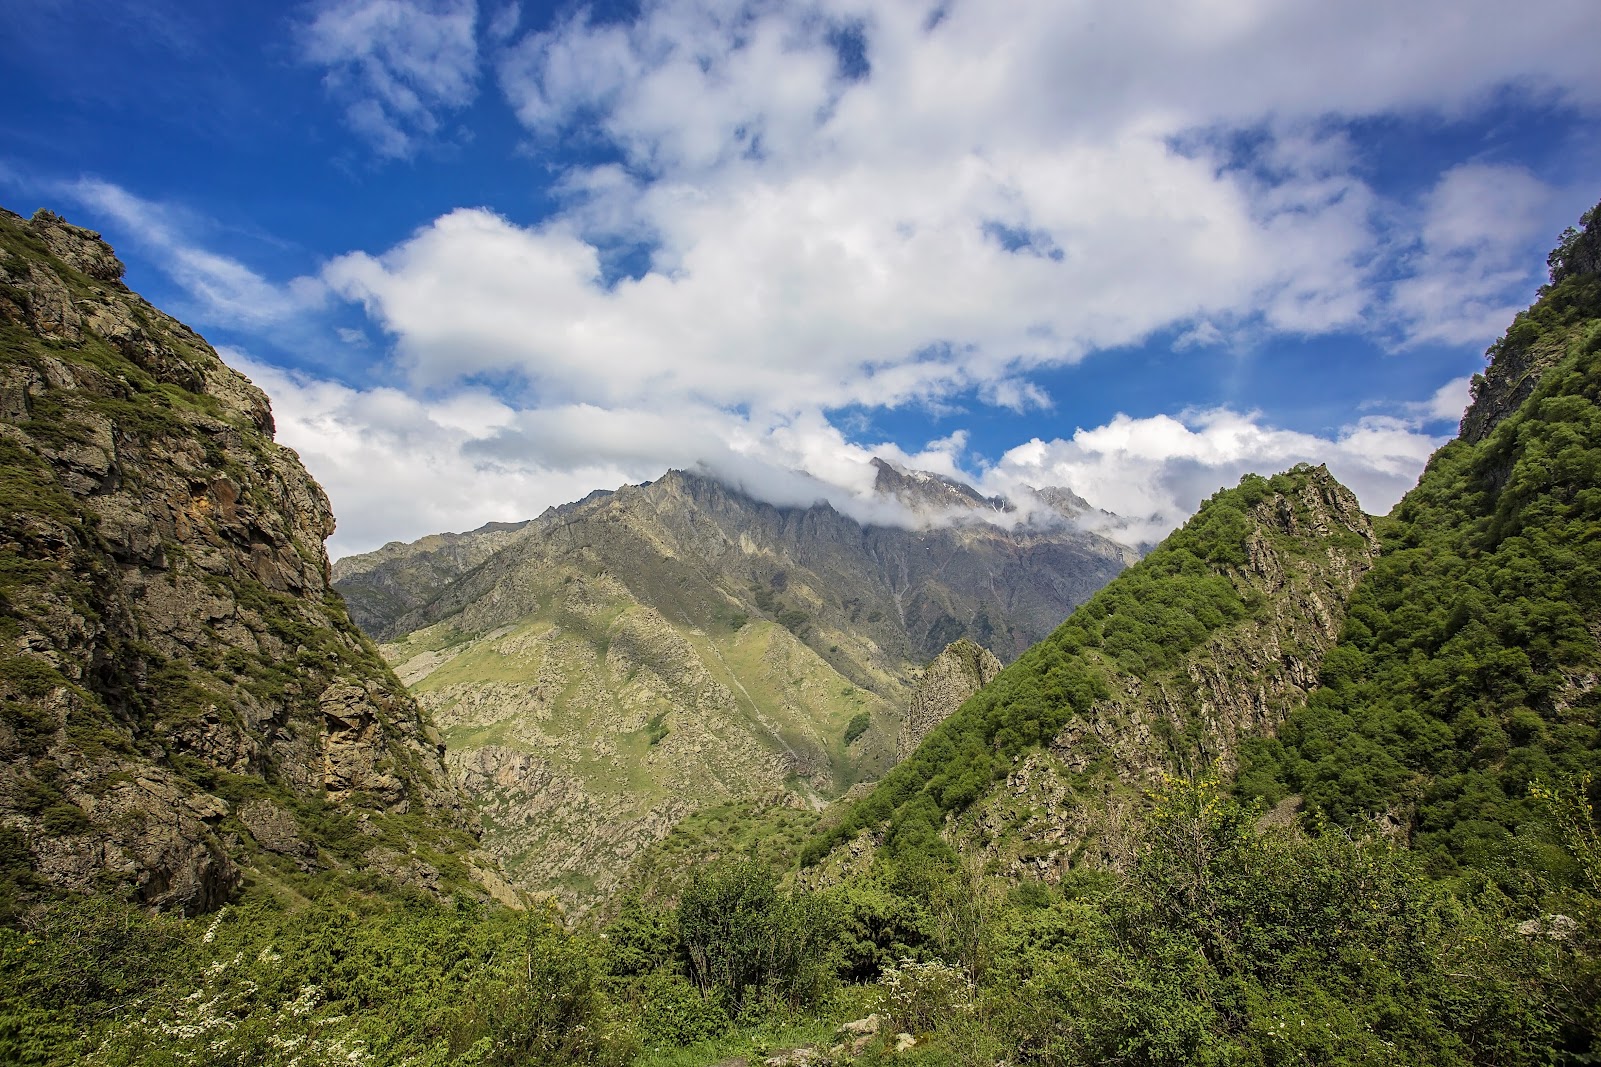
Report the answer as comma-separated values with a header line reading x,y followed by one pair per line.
x,y
1232,945
74,964
857,726
878,925
1578,251
670,1011
741,937
1457,679
332,982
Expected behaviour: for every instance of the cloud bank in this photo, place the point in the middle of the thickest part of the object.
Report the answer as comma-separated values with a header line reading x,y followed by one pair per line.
x,y
784,210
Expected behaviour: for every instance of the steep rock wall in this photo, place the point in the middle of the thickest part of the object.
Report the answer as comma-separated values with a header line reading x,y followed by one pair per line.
x,y
186,701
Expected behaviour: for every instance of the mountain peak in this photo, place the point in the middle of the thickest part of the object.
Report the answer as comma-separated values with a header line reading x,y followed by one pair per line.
x,y
924,491
1541,336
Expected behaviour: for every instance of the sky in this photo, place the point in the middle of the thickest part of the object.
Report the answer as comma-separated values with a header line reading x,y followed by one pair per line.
x,y
488,257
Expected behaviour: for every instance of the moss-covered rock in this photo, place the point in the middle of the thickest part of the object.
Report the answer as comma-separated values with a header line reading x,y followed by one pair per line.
x,y
172,655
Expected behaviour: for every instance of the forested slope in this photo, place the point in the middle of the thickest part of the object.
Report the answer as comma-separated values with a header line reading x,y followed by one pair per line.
x,y
1467,669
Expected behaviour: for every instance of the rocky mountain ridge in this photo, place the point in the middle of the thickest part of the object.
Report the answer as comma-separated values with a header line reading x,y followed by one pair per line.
x,y
187,705
1209,641
623,661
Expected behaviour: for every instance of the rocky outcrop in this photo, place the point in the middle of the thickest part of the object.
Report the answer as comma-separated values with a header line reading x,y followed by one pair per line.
x,y
1528,349
184,695
956,674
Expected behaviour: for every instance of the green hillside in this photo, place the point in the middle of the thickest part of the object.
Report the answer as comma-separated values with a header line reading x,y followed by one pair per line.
x,y
1248,592
1468,666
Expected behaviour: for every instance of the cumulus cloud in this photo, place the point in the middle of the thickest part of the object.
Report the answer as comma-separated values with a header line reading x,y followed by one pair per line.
x,y
843,204
1448,402
959,206
396,66
399,468
1483,226
1154,472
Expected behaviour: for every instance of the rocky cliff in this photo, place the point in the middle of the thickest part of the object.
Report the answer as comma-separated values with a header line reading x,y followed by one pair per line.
x,y
642,654
187,707
1540,336
956,674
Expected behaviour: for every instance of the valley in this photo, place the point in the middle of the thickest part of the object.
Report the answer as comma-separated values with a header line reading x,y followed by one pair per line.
x,y
674,776
605,670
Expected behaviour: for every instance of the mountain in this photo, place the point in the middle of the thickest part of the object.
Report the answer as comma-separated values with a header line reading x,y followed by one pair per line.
x,y
1467,673
187,707
1208,641
383,586
1002,585
623,661
1423,675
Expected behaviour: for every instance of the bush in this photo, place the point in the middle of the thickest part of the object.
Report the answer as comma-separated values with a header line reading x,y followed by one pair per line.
x,y
919,996
741,937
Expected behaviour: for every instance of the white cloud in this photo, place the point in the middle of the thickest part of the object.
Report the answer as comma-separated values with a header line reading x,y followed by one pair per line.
x,y
396,66
400,468
225,290
994,196
1482,229
503,23
1448,402
1155,471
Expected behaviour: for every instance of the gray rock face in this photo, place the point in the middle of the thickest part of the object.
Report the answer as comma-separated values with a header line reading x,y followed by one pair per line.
x,y
169,635
956,674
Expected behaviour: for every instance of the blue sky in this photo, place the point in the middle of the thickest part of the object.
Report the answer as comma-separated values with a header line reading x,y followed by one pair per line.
x,y
488,257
